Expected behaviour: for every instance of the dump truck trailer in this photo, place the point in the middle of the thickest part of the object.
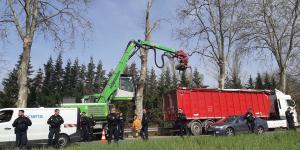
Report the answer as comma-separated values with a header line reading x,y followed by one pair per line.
x,y
204,106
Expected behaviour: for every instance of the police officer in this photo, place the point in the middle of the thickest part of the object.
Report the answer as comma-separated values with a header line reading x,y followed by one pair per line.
x,y
121,126
112,122
55,121
144,129
181,122
21,125
250,119
290,119
92,123
84,122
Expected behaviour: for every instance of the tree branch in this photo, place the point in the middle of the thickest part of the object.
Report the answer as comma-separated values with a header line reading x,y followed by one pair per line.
x,y
16,20
34,17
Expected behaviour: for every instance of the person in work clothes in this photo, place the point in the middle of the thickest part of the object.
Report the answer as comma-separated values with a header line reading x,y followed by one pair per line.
x,y
55,121
181,122
121,126
290,119
112,122
144,129
136,126
84,122
250,120
92,123
21,125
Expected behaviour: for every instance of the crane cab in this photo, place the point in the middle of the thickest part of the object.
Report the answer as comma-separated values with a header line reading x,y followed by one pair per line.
x,y
126,89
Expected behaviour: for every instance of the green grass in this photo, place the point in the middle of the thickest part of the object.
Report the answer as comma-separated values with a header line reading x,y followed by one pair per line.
x,y
273,141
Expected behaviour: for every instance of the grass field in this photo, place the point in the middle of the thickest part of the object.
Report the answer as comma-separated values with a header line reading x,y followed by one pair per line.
x,y
273,141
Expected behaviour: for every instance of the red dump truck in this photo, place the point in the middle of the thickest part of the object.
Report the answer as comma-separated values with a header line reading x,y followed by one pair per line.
x,y
204,106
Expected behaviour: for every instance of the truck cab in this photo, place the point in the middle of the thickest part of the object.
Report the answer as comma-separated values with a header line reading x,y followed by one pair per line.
x,y
280,103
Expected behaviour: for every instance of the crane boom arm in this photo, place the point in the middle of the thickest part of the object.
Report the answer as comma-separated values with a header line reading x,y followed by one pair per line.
x,y
132,47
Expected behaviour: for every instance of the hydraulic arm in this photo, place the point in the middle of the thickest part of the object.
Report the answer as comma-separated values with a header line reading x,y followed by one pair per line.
x,y
131,49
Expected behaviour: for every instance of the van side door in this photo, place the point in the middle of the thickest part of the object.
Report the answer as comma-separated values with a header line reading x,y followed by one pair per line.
x,y
6,128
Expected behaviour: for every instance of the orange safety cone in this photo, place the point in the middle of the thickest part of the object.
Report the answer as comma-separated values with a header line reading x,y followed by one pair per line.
x,y
103,137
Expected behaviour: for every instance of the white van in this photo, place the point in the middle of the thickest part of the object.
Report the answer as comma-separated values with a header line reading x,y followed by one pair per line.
x,y
37,133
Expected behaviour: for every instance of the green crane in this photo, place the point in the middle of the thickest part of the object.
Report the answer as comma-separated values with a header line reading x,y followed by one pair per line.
x,y
120,87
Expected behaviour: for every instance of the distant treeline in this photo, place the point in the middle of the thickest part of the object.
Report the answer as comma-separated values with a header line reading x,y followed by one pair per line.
x,y
50,84
56,80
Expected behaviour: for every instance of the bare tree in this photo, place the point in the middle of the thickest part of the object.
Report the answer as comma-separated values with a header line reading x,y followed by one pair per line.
x,y
144,59
211,28
273,26
60,21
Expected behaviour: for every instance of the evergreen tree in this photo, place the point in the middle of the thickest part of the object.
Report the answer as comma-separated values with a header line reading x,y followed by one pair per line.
x,y
233,82
236,82
133,72
267,82
35,95
99,77
250,84
58,79
67,87
48,86
150,93
81,83
152,98
2,99
168,79
197,79
184,81
174,81
162,84
258,82
10,89
75,78
48,70
90,75
274,83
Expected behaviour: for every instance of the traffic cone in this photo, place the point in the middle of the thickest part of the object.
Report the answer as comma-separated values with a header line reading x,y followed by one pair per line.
x,y
103,137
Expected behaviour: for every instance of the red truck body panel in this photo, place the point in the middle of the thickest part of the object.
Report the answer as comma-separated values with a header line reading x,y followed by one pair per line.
x,y
215,103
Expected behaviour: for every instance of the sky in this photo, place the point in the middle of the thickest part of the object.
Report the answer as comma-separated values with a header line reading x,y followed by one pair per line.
x,y
115,23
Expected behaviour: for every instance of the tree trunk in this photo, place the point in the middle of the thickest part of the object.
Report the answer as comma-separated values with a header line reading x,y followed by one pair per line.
x,y
23,74
282,79
141,84
143,71
221,78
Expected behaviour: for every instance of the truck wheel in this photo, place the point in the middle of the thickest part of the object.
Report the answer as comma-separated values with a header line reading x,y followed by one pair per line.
x,y
63,140
196,128
260,130
206,124
229,132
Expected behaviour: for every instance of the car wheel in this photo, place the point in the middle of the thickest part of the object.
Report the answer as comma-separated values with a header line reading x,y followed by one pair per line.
x,y
229,132
63,140
196,128
260,130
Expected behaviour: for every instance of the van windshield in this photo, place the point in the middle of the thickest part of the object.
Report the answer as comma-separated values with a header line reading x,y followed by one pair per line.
x,y
5,115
